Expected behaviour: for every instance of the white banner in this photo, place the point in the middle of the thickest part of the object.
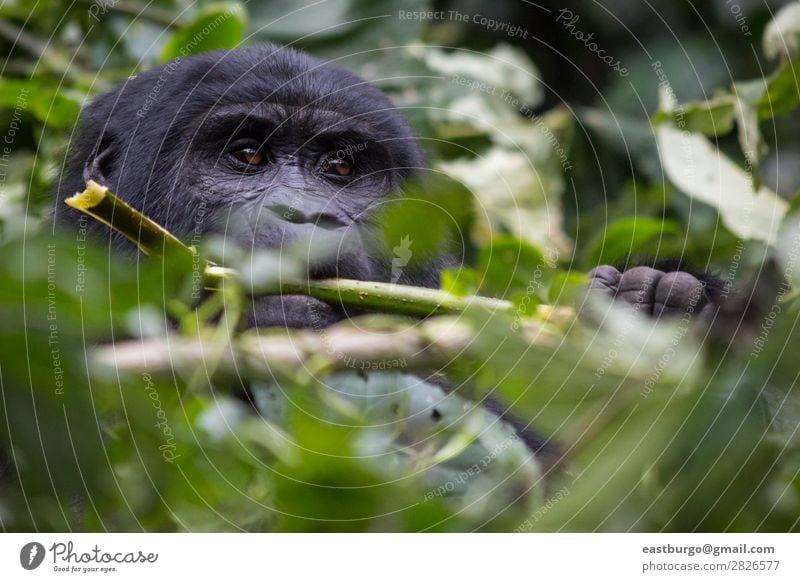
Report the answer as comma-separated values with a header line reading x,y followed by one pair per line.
x,y
401,557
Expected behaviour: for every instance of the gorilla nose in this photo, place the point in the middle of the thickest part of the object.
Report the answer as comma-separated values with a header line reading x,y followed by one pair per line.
x,y
296,215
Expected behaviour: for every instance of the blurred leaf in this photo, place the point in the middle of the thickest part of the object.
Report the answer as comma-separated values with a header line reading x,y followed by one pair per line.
x,y
503,72
638,237
782,34
510,198
51,105
289,20
217,26
460,281
788,247
438,202
508,266
567,288
781,94
712,118
750,139
703,172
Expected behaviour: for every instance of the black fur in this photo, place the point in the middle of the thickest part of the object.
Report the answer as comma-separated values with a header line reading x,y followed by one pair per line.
x,y
163,140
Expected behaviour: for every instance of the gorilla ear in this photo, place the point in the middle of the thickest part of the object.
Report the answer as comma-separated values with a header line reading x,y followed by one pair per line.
x,y
98,166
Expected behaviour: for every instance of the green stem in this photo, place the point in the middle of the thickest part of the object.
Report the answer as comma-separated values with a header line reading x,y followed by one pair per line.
x,y
388,297
99,203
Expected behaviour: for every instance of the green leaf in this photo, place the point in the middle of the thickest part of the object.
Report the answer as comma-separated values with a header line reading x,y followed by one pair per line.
x,y
633,236
782,93
218,26
440,204
713,117
460,281
513,194
794,205
46,101
509,265
567,288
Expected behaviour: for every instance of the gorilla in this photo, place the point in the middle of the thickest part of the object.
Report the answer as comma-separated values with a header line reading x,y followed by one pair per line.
x,y
267,145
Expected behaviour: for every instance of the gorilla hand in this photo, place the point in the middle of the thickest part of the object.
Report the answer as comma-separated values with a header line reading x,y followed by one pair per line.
x,y
659,293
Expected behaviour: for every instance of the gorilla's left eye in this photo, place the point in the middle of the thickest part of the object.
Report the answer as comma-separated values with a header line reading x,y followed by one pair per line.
x,y
249,155
337,167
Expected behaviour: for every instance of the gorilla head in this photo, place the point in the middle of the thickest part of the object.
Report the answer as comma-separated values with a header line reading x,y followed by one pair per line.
x,y
263,145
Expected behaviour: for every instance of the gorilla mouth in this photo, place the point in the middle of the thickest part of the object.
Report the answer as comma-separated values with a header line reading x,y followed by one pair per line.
x,y
343,268
328,249
324,270
302,311
294,311
346,258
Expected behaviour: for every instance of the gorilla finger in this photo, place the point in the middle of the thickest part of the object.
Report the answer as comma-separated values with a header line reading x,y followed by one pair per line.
x,y
677,293
604,279
637,287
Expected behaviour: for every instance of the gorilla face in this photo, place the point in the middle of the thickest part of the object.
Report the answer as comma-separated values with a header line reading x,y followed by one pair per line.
x,y
265,146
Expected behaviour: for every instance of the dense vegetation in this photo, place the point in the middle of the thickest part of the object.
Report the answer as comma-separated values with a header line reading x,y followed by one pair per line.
x,y
552,152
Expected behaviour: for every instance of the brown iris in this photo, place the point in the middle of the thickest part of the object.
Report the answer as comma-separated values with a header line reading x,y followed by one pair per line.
x,y
337,166
249,156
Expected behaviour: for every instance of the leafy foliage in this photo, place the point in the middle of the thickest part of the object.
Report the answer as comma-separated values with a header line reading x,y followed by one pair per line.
x,y
657,426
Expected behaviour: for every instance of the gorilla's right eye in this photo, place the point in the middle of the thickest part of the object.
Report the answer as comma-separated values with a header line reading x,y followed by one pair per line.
x,y
337,167
249,155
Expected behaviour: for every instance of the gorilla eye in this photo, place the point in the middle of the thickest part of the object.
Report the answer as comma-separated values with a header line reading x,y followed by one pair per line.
x,y
249,156
337,167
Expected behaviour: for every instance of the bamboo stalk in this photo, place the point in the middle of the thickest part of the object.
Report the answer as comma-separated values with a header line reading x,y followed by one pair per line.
x,y
99,203
387,297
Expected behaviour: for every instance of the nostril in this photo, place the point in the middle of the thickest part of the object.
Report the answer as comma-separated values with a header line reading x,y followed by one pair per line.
x,y
288,213
296,215
325,220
